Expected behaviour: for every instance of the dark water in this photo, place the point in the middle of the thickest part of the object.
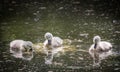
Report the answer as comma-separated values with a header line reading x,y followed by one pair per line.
x,y
74,19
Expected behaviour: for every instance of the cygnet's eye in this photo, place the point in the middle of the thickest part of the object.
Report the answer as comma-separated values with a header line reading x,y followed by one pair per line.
x,y
29,46
48,36
24,50
30,50
96,40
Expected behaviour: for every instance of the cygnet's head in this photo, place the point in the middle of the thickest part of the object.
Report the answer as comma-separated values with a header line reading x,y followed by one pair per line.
x,y
96,39
48,36
27,49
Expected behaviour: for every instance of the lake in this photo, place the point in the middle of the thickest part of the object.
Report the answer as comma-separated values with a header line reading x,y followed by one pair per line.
x,y
78,21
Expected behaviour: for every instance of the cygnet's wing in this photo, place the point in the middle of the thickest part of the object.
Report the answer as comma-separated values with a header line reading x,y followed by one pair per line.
x,y
105,45
16,43
58,41
15,46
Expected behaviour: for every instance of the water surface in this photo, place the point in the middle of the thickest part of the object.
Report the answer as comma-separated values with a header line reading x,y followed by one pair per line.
x,y
78,21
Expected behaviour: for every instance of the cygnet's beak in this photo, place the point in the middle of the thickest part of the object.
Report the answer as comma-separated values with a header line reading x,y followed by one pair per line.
x,y
49,42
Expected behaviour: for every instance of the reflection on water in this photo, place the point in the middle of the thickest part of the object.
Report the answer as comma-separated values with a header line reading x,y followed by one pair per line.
x,y
75,21
55,52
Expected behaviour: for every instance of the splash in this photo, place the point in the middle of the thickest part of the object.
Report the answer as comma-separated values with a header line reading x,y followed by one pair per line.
x,y
38,47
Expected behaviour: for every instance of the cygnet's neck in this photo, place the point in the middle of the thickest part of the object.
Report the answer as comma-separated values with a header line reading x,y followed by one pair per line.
x,y
96,41
49,42
95,45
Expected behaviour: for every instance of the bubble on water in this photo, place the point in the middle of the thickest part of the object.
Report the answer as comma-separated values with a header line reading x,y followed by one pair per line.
x,y
42,8
10,9
50,71
14,21
81,58
116,69
103,31
74,67
116,21
102,14
1,61
26,22
37,11
82,50
84,35
85,24
4,23
76,2
80,40
56,63
48,61
78,46
34,13
60,8
106,17
36,19
117,32
89,12
13,2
